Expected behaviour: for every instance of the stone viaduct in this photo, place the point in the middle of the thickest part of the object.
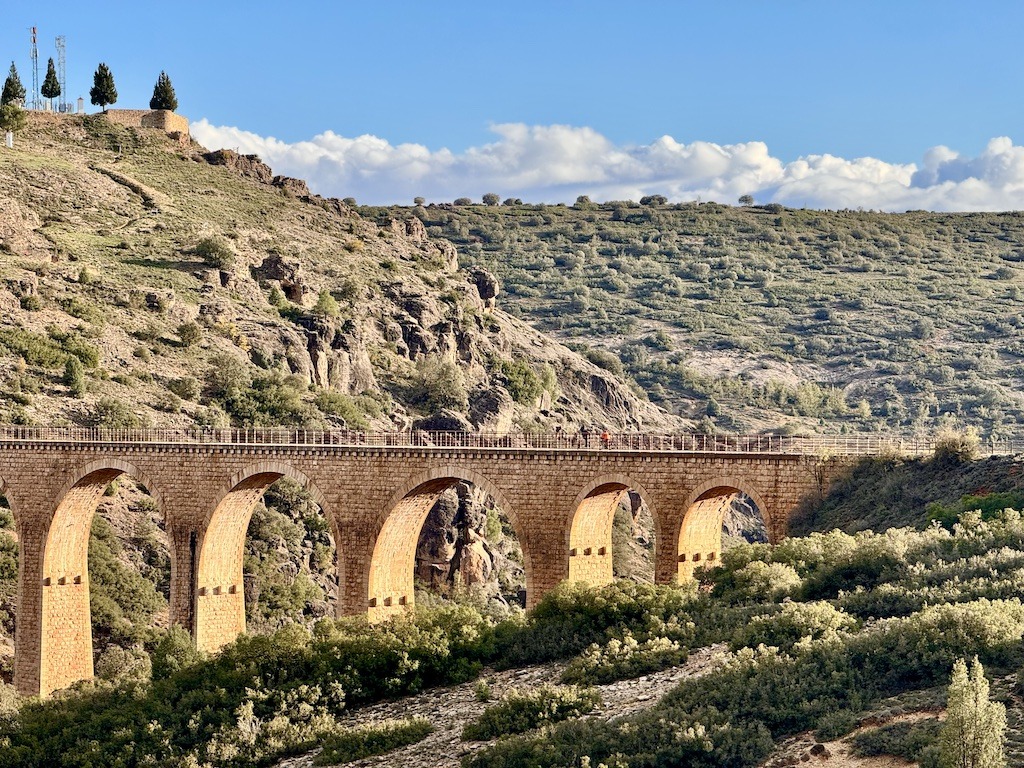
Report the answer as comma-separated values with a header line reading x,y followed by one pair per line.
x,y
375,491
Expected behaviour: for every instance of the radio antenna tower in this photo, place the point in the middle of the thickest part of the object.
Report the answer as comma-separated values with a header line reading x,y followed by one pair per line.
x,y
34,103
62,105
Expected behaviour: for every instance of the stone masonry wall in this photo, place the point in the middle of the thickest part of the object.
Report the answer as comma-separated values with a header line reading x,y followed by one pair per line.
x,y
374,500
161,119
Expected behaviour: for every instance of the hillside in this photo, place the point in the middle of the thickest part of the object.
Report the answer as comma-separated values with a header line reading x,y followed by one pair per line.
x,y
147,282
178,278
767,318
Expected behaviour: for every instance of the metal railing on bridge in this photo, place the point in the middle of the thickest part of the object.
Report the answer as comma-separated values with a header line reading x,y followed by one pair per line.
x,y
646,442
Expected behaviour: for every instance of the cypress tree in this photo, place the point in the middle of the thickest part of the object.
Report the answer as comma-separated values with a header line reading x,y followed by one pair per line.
x,y
163,94
14,91
103,91
51,86
972,736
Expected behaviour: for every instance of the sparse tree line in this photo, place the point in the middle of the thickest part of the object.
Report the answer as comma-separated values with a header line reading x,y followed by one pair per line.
x,y
102,94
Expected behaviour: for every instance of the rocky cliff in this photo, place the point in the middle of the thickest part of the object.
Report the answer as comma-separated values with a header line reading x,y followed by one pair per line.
x,y
113,239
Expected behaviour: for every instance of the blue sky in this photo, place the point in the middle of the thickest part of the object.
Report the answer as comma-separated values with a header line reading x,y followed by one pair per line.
x,y
887,81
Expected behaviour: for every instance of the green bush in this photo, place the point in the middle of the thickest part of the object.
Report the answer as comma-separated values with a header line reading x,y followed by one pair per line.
x,y
574,616
623,659
174,651
215,252
794,623
521,381
111,413
520,711
190,333
907,739
375,739
439,384
834,725
342,406
74,376
953,447
186,387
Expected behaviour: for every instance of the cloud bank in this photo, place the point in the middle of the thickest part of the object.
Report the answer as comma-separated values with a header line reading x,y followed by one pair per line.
x,y
557,163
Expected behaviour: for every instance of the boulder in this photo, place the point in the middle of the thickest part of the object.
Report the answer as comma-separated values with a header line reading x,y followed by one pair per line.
x,y
290,186
249,166
285,272
443,421
486,285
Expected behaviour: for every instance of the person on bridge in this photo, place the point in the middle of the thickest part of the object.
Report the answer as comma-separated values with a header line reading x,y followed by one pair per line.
x,y
585,436
605,438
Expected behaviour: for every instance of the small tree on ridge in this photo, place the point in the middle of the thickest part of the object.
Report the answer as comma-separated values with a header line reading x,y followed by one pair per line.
x,y
51,86
103,91
14,91
163,94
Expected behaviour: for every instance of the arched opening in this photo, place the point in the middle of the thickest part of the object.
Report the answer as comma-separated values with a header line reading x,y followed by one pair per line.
x,y
720,514
8,587
260,555
101,598
290,561
459,545
468,550
611,534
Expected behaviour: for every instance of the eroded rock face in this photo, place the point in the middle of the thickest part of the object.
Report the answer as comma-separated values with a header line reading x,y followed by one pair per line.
x,y
249,166
443,421
454,548
492,409
487,285
285,272
293,187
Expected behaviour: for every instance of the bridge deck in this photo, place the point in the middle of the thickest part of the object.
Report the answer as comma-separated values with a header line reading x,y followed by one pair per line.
x,y
813,445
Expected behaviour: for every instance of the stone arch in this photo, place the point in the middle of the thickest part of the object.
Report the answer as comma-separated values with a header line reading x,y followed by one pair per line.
x,y
390,577
590,527
65,646
219,609
700,535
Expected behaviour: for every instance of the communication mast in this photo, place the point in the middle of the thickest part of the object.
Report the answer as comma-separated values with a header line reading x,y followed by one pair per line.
x,y
63,105
34,101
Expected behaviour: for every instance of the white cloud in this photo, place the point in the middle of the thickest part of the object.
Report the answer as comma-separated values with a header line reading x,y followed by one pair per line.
x,y
556,163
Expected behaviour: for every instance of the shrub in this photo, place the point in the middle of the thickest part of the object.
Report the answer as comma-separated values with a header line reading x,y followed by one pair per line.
x,y
190,333
758,581
623,659
796,622
368,740
111,413
439,384
186,387
521,381
341,405
833,725
908,740
520,711
116,664
956,447
602,358
74,376
572,617
215,252
173,652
